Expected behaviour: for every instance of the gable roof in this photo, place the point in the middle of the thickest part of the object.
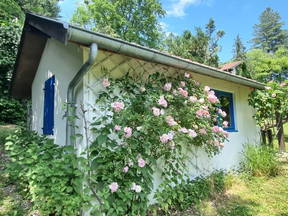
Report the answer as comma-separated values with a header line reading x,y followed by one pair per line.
x,y
230,65
38,29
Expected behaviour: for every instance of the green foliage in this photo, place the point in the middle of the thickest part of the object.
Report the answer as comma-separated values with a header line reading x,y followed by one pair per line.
x,y
190,192
134,21
47,172
259,161
12,111
5,131
269,34
9,10
269,101
203,47
129,159
265,66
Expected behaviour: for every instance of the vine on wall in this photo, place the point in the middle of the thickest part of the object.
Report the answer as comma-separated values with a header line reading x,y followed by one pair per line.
x,y
142,124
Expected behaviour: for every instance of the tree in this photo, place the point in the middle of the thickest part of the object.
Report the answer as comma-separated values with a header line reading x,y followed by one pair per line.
x,y
12,13
239,51
131,20
268,66
268,34
202,47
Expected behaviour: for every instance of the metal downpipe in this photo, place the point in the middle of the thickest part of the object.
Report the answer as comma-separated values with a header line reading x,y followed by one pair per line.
x,y
71,96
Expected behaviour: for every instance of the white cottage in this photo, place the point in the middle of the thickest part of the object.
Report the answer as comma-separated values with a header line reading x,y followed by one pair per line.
x,y
59,63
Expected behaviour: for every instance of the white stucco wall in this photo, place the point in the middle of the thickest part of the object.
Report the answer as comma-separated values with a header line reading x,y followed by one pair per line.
x,y
63,62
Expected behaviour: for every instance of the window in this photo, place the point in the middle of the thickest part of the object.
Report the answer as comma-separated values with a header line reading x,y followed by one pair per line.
x,y
227,105
48,120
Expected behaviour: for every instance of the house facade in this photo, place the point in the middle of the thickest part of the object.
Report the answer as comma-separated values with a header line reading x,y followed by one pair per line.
x,y
63,65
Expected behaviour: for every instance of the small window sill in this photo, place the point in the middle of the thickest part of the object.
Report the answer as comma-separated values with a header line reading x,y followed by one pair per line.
x,y
231,130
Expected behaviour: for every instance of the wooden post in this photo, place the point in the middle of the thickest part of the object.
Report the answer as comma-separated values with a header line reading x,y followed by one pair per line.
x,y
280,132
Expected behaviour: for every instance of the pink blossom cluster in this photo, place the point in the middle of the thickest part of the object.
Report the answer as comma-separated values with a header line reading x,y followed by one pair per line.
x,y
165,138
206,89
182,83
217,129
157,112
141,162
192,133
125,169
170,121
202,131
162,102
222,113
128,132
225,124
136,188
203,113
105,83
117,106
113,187
187,75
183,92
117,127
167,87
212,97
193,99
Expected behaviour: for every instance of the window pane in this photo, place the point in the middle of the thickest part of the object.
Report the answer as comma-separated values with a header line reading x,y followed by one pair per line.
x,y
225,106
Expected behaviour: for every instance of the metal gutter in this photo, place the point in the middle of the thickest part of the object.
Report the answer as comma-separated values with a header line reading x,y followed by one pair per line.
x,y
71,96
85,37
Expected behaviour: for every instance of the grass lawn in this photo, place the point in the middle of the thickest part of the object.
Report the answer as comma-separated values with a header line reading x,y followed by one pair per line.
x,y
258,196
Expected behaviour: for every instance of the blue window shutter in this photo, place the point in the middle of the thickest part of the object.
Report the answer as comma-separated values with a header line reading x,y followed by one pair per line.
x,y
48,121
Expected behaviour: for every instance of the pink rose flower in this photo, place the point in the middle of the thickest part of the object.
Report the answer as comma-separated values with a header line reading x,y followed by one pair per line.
x,y
183,130
202,131
162,102
141,162
136,188
193,99
183,92
105,83
142,89
222,113
167,87
165,138
113,187
187,75
182,83
212,97
267,87
203,113
192,133
128,132
117,106
273,95
207,89
117,127
156,111
225,124
170,121
125,169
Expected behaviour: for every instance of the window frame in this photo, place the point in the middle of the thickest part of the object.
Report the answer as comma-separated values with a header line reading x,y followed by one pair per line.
x,y
219,93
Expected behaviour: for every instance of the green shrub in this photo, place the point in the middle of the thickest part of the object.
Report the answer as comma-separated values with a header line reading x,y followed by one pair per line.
x,y
49,173
5,131
12,111
259,160
191,192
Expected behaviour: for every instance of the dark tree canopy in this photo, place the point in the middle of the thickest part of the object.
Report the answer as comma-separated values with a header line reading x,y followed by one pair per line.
x,y
132,20
269,34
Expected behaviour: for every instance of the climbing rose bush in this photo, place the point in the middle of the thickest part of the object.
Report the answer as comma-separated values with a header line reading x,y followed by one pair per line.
x,y
148,124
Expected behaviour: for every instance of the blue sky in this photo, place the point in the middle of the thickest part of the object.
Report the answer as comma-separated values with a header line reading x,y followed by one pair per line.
x,y
232,16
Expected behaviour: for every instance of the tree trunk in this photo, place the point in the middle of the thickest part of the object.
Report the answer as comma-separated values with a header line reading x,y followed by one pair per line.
x,y
280,134
270,137
263,137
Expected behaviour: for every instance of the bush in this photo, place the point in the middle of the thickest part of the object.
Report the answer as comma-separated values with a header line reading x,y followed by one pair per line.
x,y
5,131
12,111
191,192
259,160
49,173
